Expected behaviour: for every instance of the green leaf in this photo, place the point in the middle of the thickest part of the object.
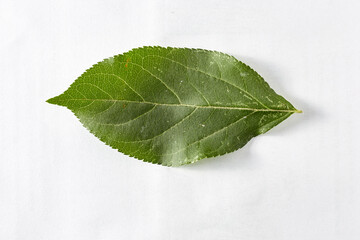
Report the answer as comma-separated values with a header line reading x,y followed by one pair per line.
x,y
174,106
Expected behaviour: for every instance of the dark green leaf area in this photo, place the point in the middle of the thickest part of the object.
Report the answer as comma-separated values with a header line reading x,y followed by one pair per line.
x,y
174,106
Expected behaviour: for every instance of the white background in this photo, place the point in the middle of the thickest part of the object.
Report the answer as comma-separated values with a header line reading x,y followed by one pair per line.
x,y
300,181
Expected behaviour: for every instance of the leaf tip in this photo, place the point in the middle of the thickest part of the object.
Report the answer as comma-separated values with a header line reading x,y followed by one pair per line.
x,y
54,100
51,101
298,111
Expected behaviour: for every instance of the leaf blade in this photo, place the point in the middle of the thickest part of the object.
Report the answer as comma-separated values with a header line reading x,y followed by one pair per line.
x,y
174,106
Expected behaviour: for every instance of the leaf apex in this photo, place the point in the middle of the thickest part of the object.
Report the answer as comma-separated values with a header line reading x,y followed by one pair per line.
x,y
55,101
51,100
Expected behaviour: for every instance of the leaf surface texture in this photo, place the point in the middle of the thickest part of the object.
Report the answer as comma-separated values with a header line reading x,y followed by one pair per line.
x,y
174,106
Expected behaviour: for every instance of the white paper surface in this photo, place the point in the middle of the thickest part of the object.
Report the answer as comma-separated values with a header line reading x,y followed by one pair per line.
x,y
298,181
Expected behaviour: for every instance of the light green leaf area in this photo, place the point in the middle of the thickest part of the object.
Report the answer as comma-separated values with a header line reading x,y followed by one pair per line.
x,y
174,106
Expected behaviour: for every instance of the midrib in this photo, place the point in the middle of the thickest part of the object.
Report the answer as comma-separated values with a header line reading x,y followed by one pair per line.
x,y
189,105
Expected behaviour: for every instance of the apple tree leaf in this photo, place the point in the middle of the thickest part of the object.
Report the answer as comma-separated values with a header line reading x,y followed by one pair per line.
x,y
174,106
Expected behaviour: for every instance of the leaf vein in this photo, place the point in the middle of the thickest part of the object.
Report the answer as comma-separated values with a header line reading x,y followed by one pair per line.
x,y
210,75
237,121
127,122
112,74
171,90
182,120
